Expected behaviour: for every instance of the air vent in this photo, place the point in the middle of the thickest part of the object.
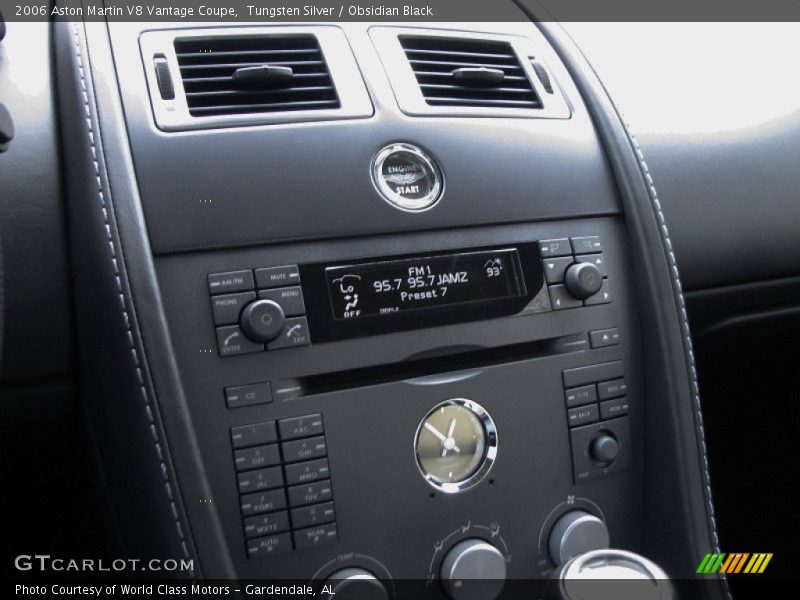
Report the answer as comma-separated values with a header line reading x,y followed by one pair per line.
x,y
464,72
254,74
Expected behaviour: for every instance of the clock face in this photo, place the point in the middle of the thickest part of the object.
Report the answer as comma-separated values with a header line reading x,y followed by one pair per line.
x,y
456,444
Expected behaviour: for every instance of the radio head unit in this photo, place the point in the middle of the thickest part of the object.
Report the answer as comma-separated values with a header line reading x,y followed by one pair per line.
x,y
382,294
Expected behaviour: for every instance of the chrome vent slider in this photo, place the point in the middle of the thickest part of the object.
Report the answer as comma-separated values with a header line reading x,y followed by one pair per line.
x,y
454,71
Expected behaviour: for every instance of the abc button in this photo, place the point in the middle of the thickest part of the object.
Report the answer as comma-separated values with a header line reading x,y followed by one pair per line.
x,y
298,427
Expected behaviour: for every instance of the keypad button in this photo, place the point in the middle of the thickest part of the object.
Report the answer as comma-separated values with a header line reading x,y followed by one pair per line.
x,y
299,427
313,493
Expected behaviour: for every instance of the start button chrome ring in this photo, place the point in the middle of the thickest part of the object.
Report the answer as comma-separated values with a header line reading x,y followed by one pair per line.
x,y
406,177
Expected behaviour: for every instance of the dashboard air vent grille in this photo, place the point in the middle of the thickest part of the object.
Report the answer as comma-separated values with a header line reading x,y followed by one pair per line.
x,y
255,74
466,72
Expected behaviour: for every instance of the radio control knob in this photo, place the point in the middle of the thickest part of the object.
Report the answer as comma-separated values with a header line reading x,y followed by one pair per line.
x,y
353,583
574,533
262,320
473,570
583,280
604,449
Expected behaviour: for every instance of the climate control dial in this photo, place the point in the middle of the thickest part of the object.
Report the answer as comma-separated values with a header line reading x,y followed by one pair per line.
x,y
473,569
354,583
576,532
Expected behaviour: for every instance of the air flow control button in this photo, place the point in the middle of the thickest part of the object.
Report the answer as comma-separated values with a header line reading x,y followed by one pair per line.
x,y
586,244
559,247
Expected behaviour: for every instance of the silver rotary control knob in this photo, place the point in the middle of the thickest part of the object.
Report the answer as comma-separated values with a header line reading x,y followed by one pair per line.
x,y
262,320
354,583
583,280
574,533
473,570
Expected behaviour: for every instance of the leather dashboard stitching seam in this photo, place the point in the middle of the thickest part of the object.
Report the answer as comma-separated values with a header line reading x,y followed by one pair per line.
x,y
120,294
678,289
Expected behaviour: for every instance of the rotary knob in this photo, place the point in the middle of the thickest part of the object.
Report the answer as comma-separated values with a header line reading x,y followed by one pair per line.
x,y
473,570
574,533
583,280
262,320
353,583
604,449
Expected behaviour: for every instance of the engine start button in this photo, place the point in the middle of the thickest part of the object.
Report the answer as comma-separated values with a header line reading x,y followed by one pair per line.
x,y
406,177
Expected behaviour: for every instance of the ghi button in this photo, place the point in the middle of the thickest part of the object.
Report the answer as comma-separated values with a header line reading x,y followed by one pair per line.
x,y
293,335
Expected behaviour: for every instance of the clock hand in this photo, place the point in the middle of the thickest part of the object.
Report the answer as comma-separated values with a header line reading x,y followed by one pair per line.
x,y
439,435
452,428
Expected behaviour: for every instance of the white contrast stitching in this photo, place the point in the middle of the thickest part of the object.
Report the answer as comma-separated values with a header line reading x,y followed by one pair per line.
x,y
676,282
121,297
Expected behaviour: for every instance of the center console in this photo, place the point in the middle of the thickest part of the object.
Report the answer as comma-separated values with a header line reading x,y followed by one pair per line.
x,y
407,337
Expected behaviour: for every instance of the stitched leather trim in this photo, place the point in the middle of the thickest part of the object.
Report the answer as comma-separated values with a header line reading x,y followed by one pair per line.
x,y
114,253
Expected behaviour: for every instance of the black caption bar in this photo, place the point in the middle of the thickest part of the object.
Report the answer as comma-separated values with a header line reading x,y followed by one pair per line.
x,y
412,11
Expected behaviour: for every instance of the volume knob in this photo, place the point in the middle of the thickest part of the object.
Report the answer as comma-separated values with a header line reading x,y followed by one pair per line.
x,y
473,570
353,583
583,280
262,320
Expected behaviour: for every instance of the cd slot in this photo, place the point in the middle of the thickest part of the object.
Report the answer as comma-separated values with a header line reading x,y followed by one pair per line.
x,y
419,366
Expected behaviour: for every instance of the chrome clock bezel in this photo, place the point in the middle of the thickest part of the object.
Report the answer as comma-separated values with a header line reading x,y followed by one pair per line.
x,y
490,453
399,201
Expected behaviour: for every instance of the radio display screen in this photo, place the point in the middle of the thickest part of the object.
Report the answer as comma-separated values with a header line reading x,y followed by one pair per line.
x,y
394,286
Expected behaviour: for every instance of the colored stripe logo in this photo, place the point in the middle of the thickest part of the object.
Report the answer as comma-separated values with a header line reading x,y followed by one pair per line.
x,y
737,562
